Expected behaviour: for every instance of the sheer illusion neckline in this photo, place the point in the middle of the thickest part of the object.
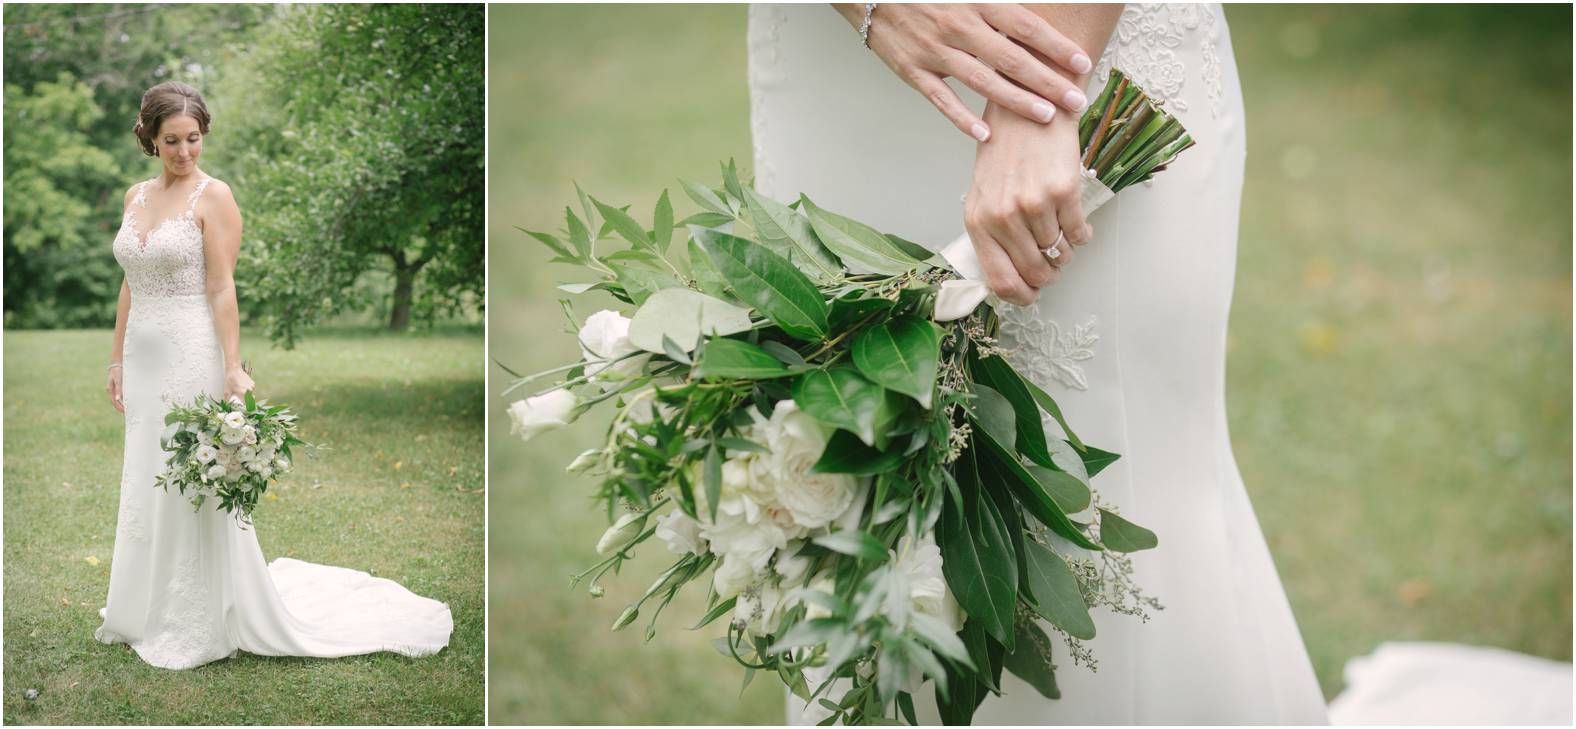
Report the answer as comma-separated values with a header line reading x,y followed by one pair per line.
x,y
141,202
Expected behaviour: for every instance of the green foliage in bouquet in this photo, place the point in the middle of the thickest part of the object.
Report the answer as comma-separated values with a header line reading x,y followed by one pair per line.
x,y
873,492
229,450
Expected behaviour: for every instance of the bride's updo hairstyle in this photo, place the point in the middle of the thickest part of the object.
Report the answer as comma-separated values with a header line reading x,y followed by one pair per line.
x,y
171,98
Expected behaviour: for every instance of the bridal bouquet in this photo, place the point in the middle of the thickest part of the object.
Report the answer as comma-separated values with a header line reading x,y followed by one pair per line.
x,y
816,419
227,449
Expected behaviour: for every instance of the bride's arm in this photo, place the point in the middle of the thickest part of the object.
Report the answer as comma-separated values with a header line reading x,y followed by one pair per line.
x,y
1027,178
116,383
221,246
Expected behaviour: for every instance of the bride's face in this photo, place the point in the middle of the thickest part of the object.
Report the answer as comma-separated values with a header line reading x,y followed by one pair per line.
x,y
179,144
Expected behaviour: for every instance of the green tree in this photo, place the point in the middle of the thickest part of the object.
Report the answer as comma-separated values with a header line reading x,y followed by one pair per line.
x,y
367,154
57,261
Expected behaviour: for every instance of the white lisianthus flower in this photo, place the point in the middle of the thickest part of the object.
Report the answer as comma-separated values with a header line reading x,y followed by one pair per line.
x,y
246,453
234,420
796,440
732,575
223,456
681,533
206,453
282,464
266,471
759,607
542,413
921,563
232,436
732,536
584,461
605,337
215,471
249,435
621,533
204,439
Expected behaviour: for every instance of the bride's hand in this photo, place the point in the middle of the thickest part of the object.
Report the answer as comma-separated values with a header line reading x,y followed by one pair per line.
x,y
1024,195
924,44
237,383
115,389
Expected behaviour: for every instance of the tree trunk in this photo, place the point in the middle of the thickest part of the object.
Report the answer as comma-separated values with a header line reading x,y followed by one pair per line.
x,y
404,284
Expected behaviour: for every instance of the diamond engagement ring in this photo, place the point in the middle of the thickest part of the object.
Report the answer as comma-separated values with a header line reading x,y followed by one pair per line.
x,y
1053,253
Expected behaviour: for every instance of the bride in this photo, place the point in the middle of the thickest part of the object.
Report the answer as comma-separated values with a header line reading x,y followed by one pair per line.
x,y
189,588
1125,326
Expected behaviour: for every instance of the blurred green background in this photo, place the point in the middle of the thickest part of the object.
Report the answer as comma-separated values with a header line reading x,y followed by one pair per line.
x,y
1400,342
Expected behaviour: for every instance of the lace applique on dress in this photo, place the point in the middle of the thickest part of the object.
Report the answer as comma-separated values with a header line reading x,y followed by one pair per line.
x,y
1144,45
1041,349
186,634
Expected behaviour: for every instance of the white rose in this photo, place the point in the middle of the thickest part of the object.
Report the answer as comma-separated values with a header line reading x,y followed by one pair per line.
x,y
927,586
681,533
734,537
234,420
215,471
223,456
246,453
231,436
605,337
796,441
266,471
542,413
791,566
621,533
203,438
206,453
249,435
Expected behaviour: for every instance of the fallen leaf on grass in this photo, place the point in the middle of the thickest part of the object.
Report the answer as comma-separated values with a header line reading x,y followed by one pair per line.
x,y
405,485
271,496
1413,591
92,560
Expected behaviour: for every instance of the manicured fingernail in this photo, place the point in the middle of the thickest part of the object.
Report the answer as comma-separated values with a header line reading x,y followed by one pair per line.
x,y
980,132
1044,111
1075,100
1081,63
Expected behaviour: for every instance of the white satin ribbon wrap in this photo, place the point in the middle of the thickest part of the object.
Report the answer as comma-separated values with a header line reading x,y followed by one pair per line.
x,y
960,296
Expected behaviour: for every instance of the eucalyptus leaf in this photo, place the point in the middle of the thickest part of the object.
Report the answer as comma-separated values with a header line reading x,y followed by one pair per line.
x,y
1029,492
975,557
1031,661
684,315
1095,460
995,415
900,354
994,372
1067,491
1121,535
768,283
1048,404
1068,460
1056,594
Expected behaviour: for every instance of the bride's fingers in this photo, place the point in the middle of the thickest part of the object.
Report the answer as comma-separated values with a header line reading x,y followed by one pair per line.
x,y
939,94
1012,61
1026,256
1028,28
1000,274
988,83
1071,218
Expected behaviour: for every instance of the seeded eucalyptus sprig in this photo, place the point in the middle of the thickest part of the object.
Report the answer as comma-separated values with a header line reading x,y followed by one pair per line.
x,y
1126,136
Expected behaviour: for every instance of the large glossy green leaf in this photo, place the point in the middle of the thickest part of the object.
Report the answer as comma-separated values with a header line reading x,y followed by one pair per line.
x,y
997,374
1028,491
777,223
1121,535
976,559
1095,460
683,315
979,643
861,248
765,281
1031,661
1048,404
736,360
900,354
843,398
1068,459
844,453
995,414
1056,594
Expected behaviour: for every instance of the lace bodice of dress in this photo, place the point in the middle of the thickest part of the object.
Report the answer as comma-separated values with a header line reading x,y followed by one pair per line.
x,y
1169,49
168,259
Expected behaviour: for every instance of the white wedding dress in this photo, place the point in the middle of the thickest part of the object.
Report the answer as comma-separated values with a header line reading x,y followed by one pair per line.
x,y
189,588
1131,341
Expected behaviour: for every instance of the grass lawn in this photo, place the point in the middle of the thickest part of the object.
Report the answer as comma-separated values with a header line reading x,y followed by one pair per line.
x,y
399,496
1399,378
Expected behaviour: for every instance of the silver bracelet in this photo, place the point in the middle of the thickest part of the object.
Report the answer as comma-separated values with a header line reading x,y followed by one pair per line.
x,y
864,28
113,366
